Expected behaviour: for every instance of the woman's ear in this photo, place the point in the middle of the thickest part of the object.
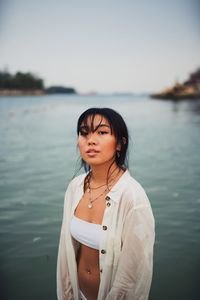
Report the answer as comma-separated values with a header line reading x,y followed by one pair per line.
x,y
124,140
119,146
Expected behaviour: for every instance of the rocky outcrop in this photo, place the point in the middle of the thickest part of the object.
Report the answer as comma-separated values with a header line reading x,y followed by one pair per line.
x,y
190,89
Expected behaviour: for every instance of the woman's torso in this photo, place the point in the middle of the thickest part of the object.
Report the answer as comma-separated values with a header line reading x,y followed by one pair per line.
x,y
87,257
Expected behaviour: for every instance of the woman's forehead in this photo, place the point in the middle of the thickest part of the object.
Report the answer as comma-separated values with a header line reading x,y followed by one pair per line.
x,y
95,120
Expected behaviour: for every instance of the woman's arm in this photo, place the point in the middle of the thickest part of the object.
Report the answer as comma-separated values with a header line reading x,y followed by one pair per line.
x,y
134,272
64,288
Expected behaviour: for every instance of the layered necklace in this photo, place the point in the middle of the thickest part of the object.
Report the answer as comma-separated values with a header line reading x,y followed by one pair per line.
x,y
110,182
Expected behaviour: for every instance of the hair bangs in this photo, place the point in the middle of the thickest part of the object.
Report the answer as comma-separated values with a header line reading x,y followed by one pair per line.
x,y
87,121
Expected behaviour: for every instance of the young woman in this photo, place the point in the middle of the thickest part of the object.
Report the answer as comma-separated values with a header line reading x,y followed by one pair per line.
x,y
107,234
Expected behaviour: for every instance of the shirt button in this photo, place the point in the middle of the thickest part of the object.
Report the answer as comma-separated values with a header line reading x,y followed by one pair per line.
x,y
103,251
101,270
105,227
107,198
108,204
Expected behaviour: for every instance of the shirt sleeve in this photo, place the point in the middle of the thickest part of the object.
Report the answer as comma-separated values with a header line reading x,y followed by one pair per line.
x,y
64,288
134,272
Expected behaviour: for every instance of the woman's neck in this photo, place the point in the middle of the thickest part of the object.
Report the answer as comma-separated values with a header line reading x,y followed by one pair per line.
x,y
100,172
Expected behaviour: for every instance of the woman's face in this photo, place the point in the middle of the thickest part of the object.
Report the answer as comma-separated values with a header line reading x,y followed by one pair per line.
x,y
97,147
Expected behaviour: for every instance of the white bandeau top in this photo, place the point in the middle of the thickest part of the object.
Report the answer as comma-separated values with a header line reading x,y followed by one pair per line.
x,y
86,233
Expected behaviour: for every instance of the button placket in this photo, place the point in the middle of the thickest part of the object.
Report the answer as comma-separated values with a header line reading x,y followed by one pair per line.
x,y
103,251
105,222
107,198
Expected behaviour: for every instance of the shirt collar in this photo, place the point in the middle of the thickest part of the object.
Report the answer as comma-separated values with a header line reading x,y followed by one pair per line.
x,y
116,191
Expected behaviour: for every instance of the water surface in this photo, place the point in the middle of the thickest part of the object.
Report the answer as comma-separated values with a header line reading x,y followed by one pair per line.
x,y
38,157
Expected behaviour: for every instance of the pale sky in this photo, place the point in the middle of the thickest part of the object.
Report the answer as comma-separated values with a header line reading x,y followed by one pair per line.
x,y
103,46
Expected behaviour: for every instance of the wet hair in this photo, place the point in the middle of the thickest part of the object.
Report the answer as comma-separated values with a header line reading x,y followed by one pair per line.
x,y
118,128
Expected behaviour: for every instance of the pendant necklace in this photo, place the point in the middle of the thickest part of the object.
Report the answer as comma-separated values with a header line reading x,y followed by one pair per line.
x,y
90,202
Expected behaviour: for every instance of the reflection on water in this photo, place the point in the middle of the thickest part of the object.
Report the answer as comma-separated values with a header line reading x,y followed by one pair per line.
x,y
192,106
38,156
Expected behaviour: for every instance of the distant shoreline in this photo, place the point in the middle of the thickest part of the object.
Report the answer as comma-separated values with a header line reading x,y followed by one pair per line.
x,y
30,92
20,92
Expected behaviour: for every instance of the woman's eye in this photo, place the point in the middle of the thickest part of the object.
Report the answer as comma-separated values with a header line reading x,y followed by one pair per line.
x,y
83,133
102,132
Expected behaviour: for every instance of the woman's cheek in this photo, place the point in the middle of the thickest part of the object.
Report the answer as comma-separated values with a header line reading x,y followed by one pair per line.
x,y
80,143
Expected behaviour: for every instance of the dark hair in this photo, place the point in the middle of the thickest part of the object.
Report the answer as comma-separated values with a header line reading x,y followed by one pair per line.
x,y
118,128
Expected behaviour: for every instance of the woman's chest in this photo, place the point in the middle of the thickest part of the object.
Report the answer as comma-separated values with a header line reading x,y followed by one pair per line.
x,y
91,209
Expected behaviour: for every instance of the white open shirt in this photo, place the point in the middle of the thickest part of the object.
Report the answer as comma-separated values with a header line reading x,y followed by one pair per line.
x,y
126,262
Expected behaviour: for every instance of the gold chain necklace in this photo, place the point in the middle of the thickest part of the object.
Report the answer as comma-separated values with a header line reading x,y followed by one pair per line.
x,y
90,202
98,187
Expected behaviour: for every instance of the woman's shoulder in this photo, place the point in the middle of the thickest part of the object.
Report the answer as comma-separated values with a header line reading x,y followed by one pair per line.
x,y
134,183
77,180
136,192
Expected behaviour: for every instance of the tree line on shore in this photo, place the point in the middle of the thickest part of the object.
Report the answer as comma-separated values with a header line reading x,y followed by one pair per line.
x,y
20,81
28,82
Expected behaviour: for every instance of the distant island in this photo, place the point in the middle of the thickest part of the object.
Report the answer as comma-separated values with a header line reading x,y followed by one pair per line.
x,y
190,89
60,90
21,84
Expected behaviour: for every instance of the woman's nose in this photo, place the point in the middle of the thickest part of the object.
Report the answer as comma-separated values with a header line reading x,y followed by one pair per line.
x,y
91,140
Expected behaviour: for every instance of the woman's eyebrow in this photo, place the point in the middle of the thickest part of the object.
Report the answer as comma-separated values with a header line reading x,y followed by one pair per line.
x,y
103,125
84,127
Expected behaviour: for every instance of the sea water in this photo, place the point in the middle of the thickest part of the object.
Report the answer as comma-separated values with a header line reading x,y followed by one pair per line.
x,y
38,157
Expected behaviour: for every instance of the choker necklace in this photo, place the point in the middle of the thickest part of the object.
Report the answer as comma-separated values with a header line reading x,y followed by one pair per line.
x,y
98,187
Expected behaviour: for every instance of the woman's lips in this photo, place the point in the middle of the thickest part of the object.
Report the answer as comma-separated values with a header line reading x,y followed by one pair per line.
x,y
92,152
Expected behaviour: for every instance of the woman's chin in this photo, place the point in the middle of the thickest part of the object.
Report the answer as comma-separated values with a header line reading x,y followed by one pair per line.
x,y
98,162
